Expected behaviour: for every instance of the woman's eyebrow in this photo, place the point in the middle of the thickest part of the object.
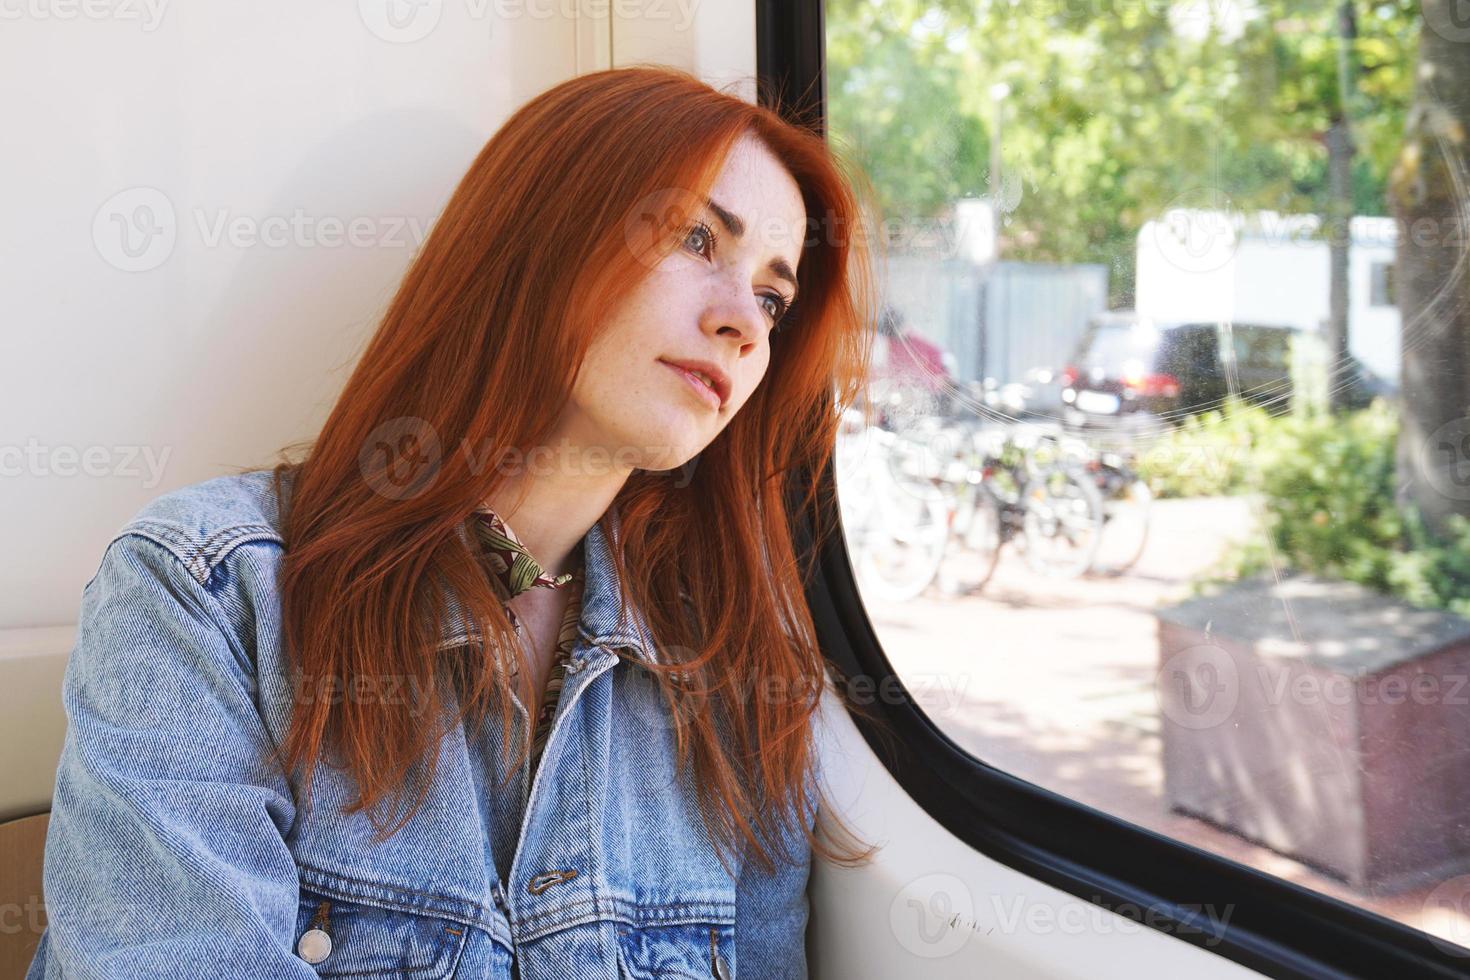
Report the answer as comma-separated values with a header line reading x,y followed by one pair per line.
x,y
730,220
736,226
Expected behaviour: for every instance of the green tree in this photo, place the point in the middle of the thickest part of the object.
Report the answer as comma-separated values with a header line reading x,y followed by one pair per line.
x,y
1118,109
1429,195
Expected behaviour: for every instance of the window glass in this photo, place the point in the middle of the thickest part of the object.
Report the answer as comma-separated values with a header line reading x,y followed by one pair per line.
x,y
1112,346
1381,284
1145,520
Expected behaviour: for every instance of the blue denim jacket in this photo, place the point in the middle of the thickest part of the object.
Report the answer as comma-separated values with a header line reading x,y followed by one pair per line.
x,y
176,847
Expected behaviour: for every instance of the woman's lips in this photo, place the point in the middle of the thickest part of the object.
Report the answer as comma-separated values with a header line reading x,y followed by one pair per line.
x,y
704,391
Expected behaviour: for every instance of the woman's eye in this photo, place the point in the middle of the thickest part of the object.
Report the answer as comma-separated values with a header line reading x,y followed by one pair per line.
x,y
702,234
704,239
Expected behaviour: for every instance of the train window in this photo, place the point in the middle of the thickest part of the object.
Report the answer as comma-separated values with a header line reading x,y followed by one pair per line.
x,y
1144,519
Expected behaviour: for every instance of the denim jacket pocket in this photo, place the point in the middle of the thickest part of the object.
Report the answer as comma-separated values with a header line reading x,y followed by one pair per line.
x,y
357,939
689,951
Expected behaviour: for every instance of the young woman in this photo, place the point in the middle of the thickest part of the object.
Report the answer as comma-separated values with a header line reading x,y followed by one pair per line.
x,y
512,674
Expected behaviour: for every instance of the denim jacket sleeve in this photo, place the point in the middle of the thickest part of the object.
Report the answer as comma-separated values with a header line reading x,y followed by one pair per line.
x,y
165,854
771,916
771,908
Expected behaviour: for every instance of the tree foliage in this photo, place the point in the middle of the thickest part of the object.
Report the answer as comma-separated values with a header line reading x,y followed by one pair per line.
x,y
1117,110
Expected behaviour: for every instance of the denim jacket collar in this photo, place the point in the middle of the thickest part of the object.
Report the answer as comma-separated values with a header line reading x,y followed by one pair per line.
x,y
601,590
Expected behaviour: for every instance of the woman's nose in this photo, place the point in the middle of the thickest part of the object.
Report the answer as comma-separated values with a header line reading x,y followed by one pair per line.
x,y
736,315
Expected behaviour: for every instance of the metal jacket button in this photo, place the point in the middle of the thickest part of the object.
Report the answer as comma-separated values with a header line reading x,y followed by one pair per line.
x,y
717,964
314,946
541,882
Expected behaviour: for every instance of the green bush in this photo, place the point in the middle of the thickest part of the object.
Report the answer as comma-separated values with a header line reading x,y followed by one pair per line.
x,y
1210,454
1327,484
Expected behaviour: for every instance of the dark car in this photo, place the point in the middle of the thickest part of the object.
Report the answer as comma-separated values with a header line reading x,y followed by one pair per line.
x,y
1125,364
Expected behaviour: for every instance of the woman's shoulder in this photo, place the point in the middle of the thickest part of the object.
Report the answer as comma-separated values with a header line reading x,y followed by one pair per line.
x,y
173,606
200,524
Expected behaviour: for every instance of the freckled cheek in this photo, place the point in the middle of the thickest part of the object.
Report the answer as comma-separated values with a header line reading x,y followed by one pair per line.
x,y
742,396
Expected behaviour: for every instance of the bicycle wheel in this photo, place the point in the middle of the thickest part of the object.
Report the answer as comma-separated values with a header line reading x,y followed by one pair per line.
x,y
1126,517
1062,522
903,542
974,549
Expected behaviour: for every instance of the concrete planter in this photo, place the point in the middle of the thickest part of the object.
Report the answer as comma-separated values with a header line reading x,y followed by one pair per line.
x,y
1324,720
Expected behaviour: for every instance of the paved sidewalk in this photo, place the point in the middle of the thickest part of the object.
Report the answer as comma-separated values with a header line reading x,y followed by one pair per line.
x,y
1054,682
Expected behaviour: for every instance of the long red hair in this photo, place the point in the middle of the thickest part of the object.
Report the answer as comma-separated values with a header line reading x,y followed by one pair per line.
x,y
550,227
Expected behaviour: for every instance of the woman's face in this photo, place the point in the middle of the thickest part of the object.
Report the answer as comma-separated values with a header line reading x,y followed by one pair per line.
x,y
713,299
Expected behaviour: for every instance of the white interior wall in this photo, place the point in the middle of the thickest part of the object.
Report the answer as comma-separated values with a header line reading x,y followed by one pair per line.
x,y
209,207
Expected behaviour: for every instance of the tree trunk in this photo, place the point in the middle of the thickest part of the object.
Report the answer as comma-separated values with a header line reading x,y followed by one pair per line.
x,y
1432,275
1340,151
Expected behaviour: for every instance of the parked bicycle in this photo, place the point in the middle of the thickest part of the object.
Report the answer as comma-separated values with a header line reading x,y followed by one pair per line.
x,y
1127,500
937,502
1004,491
895,526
